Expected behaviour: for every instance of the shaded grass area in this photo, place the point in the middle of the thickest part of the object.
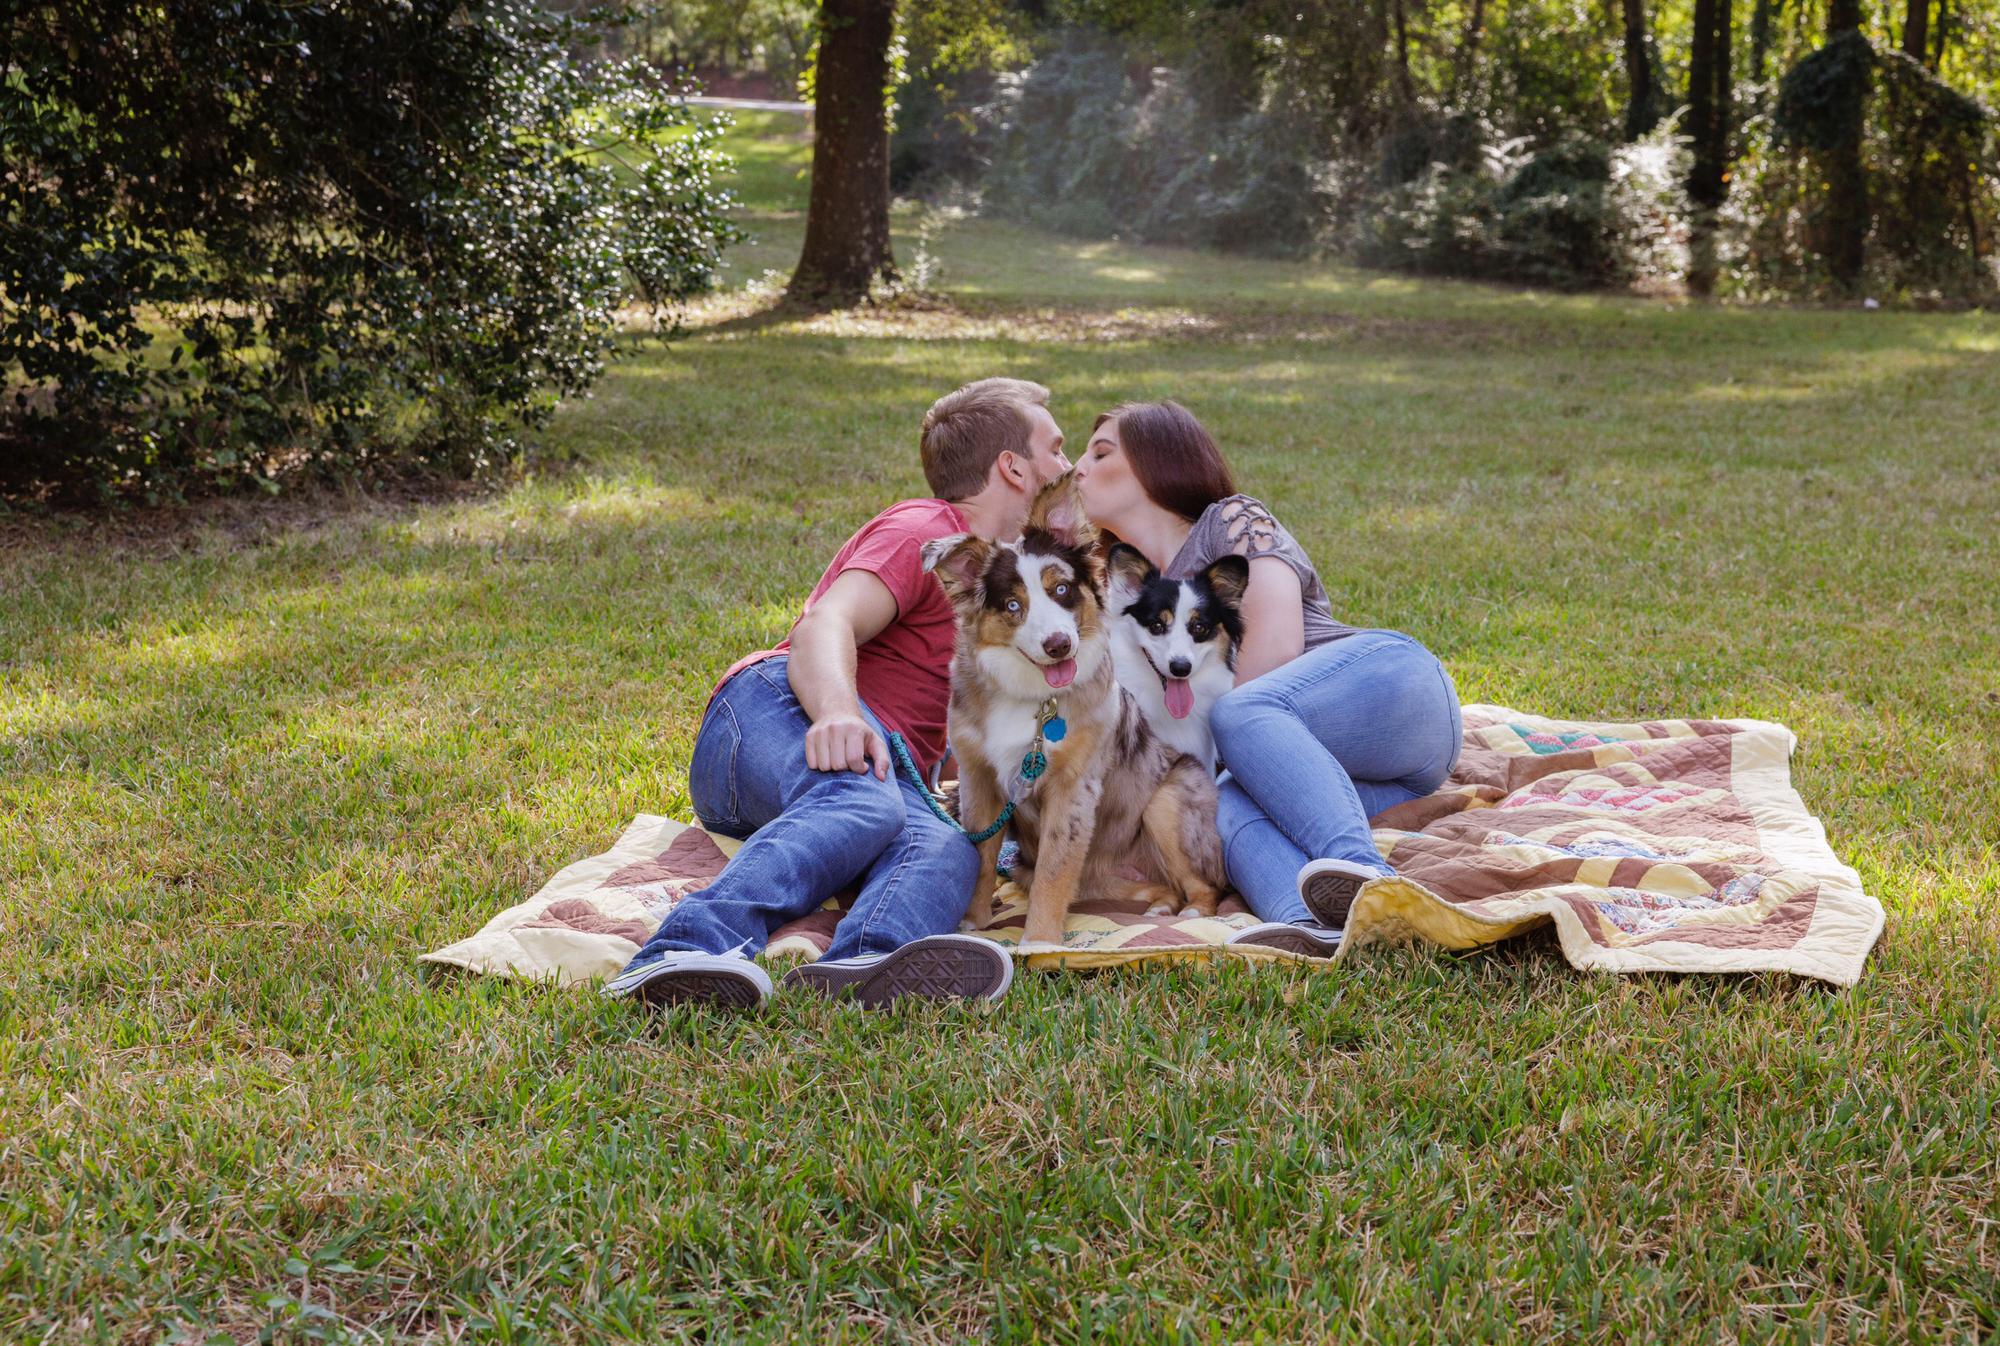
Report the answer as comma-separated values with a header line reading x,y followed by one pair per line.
x,y
246,776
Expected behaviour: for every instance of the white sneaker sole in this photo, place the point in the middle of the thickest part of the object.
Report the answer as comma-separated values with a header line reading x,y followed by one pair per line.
x,y
939,967
1289,938
1328,888
705,978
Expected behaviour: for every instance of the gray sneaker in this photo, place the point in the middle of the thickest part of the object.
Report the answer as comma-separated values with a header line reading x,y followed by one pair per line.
x,y
1328,888
681,976
938,967
1308,939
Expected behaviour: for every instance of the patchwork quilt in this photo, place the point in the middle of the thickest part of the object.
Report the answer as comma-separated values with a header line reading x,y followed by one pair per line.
x,y
1664,845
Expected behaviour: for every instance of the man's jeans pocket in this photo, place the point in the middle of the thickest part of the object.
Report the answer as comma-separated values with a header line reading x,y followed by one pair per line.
x,y
712,772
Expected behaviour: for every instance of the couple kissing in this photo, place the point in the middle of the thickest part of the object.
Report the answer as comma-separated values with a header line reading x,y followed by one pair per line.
x,y
1210,642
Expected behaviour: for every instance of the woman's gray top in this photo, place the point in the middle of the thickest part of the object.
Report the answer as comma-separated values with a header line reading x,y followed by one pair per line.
x,y
1240,525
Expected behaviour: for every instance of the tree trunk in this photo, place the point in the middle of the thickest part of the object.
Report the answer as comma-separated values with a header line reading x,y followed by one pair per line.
x,y
1760,43
1916,30
1938,31
1725,95
847,216
1468,49
1403,80
1847,206
1710,122
1701,98
1642,108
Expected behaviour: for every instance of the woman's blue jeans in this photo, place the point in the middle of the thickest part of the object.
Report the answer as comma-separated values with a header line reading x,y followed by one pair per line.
x,y
1316,748
809,834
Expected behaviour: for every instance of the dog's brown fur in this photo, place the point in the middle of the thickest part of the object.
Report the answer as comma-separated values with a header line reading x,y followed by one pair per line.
x,y
1118,812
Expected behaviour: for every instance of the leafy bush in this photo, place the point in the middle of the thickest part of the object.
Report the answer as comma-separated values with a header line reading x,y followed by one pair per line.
x,y
1932,170
1088,148
1935,156
954,54
244,242
944,132
1573,214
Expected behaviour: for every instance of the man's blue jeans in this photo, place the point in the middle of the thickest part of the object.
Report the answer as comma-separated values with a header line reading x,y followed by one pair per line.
x,y
1316,748
809,834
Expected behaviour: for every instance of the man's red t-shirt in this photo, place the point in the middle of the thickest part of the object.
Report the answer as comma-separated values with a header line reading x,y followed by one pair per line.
x,y
904,673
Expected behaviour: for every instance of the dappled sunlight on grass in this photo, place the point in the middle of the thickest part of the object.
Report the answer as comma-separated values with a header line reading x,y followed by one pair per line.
x,y
533,514
1134,274
26,710
1405,519
250,774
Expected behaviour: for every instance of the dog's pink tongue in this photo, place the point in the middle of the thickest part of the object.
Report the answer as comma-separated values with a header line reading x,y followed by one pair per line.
x,y
1061,673
1180,698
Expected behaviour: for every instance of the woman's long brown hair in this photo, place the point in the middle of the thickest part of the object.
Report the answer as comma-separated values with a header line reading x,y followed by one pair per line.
x,y
1175,460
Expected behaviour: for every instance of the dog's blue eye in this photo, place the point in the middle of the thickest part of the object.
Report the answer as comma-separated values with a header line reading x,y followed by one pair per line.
x,y
1013,605
1062,590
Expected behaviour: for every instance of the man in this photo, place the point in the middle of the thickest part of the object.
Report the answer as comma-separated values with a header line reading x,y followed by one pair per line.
x,y
793,754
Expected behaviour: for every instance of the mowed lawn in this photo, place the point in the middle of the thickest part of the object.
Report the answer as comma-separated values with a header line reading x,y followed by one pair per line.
x,y
253,763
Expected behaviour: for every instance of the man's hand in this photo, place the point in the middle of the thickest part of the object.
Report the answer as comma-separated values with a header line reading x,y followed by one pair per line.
x,y
853,611
846,743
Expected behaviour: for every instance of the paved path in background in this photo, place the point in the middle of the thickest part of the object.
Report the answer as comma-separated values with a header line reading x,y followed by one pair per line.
x,y
751,104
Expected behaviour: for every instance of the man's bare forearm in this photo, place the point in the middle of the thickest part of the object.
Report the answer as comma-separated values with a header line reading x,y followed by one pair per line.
x,y
821,669
855,608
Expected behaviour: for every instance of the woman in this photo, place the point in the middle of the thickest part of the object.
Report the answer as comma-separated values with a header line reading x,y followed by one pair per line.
x,y
1328,724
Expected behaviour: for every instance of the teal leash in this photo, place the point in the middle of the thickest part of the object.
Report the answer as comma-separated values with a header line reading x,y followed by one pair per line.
x,y
909,769
1047,723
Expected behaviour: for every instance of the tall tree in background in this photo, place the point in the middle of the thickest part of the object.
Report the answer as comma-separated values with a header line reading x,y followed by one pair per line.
x,y
1642,107
1760,44
847,216
1845,220
1916,30
1404,84
1467,59
1711,120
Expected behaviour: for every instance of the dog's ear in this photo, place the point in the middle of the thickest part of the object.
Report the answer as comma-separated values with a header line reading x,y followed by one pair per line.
x,y
959,562
1129,569
1228,577
1058,511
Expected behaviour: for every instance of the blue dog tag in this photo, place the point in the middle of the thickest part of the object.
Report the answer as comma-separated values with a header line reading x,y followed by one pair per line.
x,y
1054,730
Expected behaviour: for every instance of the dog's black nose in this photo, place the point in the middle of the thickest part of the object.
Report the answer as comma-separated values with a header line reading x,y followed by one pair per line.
x,y
1056,646
1179,668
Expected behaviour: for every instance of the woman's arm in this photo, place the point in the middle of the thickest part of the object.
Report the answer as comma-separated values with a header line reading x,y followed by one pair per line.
x,y
1274,619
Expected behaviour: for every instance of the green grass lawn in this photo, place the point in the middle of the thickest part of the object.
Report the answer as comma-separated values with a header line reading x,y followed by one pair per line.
x,y
251,765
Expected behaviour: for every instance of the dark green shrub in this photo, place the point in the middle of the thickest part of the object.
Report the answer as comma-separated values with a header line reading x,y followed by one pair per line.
x,y
1409,149
1930,212
1573,214
246,242
1091,147
1933,156
944,133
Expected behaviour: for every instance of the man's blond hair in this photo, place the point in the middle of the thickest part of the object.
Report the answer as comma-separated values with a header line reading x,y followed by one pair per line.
x,y
967,430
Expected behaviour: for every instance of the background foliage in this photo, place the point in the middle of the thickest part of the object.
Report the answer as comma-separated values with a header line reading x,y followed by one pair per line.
x,y
245,242
259,766
1502,139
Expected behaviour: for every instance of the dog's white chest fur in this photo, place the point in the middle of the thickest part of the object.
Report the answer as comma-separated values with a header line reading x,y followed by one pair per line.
x,y
1005,732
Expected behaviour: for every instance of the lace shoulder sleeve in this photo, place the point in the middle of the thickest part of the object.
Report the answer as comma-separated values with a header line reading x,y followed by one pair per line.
x,y
1247,527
